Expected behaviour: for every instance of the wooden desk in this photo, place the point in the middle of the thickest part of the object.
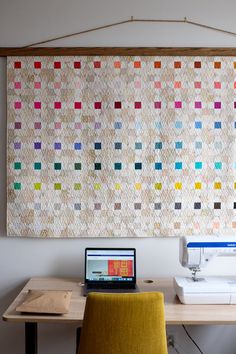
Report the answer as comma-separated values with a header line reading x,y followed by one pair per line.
x,y
175,312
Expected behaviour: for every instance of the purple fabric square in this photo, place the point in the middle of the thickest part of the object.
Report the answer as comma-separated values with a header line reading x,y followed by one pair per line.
x,y
97,125
17,146
57,146
37,145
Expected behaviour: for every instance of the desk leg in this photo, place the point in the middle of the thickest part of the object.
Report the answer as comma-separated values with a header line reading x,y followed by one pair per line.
x,y
31,338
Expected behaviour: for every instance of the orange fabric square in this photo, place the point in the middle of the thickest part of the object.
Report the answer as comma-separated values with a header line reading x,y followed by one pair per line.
x,y
137,64
157,64
217,64
235,65
117,64
177,84
234,224
177,64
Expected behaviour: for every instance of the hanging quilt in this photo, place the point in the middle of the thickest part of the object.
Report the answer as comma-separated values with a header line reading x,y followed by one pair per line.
x,y
121,146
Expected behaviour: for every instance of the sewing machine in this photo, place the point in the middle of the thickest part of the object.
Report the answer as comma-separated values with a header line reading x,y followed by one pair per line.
x,y
195,253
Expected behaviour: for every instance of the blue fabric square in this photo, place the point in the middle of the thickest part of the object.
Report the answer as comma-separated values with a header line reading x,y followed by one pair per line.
x,y
138,165
178,165
198,125
138,146
198,165
117,165
77,146
118,146
138,125
234,125
37,146
218,165
118,125
97,146
158,125
158,145
178,144
158,166
198,145
178,124
217,125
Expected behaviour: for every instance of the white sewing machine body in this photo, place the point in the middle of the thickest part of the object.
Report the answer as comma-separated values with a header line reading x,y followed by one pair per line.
x,y
195,254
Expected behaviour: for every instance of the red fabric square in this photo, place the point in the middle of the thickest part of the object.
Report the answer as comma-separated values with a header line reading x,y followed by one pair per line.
x,y
137,105
37,64
157,64
57,105
117,105
17,65
57,65
97,64
97,105
77,65
177,64
197,64
77,105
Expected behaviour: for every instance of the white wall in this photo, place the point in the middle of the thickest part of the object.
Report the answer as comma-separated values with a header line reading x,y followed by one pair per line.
x,y
26,21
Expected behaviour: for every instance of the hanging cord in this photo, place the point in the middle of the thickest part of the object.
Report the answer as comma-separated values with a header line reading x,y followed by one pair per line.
x,y
132,19
197,346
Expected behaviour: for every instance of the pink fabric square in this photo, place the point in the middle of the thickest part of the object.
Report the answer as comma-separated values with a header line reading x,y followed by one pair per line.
x,y
178,104
37,105
17,85
17,105
78,85
137,105
78,125
137,84
157,84
157,105
217,85
57,105
57,85
97,105
77,105
37,125
198,104
197,84
177,84
57,125
37,85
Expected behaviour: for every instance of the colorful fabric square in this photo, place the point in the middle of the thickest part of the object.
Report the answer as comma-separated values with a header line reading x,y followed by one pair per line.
x,y
100,147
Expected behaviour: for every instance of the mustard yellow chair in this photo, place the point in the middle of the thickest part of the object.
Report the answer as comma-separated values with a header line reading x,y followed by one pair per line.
x,y
123,324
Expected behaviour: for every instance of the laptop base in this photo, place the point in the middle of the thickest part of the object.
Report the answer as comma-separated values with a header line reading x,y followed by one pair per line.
x,y
87,290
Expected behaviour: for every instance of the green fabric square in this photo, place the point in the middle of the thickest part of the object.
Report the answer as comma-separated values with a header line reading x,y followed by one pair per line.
x,y
17,185
37,166
117,166
57,166
97,166
77,186
17,165
57,186
77,166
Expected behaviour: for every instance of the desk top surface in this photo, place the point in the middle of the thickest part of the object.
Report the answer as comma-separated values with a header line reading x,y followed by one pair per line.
x,y
175,312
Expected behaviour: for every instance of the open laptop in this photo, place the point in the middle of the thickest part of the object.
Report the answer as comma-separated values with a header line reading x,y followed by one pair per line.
x,y
110,270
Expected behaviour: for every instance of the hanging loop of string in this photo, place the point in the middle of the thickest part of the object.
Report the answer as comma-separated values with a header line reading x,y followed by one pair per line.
x,y
132,20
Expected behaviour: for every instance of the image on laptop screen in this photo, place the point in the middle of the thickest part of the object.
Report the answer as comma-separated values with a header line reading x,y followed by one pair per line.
x,y
110,265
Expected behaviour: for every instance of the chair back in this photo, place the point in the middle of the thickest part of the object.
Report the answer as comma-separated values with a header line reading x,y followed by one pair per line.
x,y
124,324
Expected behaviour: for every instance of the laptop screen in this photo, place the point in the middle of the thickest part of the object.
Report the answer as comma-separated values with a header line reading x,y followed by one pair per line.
x,y
110,265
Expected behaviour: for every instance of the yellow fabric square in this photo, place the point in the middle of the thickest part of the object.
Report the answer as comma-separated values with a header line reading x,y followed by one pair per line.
x,y
217,185
234,185
97,186
158,186
77,186
57,186
117,186
37,186
178,185
198,185
138,186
